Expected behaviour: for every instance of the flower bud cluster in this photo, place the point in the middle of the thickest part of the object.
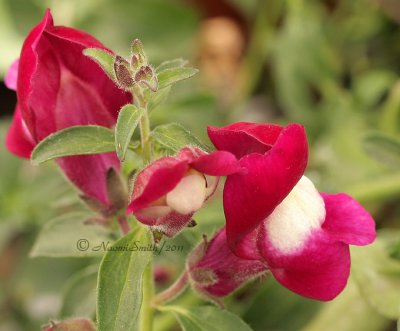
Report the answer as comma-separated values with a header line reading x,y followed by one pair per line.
x,y
135,71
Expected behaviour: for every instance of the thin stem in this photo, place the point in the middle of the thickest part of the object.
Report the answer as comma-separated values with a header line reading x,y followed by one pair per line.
x,y
147,310
144,124
145,137
123,223
173,291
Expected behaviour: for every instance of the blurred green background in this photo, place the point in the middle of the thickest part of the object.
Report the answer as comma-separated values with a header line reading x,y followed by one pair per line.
x,y
331,65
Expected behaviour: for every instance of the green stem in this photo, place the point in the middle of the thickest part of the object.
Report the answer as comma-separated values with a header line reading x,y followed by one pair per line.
x,y
173,291
140,101
123,223
147,310
145,138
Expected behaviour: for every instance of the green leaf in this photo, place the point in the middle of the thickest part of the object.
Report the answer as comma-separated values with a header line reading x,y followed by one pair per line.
x,y
71,236
171,76
383,148
378,276
171,64
207,318
390,111
79,294
157,98
128,119
174,136
119,295
103,58
75,140
376,189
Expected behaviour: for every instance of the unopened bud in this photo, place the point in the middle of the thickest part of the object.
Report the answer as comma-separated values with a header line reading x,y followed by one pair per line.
x,y
144,73
145,76
162,275
135,65
139,58
138,51
215,271
123,73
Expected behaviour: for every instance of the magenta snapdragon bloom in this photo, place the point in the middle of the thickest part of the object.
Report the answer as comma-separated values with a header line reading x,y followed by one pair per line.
x,y
170,190
275,214
58,87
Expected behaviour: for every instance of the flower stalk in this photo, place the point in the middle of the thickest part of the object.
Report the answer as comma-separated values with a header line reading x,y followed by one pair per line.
x,y
147,310
123,223
145,138
173,291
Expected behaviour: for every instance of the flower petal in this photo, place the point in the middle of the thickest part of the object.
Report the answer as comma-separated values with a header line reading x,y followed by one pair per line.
x,y
347,220
219,163
244,138
250,196
319,271
67,88
27,66
12,76
189,195
88,173
72,42
156,180
18,140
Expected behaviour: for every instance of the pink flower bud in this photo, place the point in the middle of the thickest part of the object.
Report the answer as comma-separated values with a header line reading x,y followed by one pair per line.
x,y
58,87
170,190
215,271
162,275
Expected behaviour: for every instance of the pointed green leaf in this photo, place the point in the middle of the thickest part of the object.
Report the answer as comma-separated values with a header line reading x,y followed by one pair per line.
x,y
171,76
171,64
128,119
79,294
75,140
206,318
383,148
174,136
119,295
157,98
71,235
103,58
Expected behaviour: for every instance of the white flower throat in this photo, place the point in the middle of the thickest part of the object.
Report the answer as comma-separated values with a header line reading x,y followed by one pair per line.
x,y
293,220
189,195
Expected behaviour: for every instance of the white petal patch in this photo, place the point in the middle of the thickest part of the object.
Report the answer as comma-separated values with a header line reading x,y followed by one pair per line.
x,y
293,220
189,195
